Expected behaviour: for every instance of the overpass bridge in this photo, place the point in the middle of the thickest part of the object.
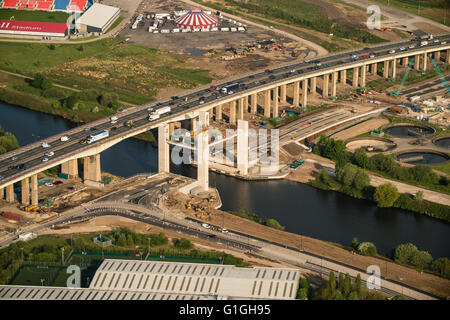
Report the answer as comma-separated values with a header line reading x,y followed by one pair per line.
x,y
206,102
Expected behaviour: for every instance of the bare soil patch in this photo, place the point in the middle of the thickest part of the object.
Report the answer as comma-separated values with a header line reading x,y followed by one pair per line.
x,y
361,128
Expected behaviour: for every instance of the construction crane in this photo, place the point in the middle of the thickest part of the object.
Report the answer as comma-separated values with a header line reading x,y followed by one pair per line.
x,y
403,80
441,75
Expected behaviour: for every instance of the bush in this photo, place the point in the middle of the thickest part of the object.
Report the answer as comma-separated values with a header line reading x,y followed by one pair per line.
x,y
385,195
442,267
404,252
421,259
107,99
88,95
41,82
71,101
183,243
367,249
274,224
54,92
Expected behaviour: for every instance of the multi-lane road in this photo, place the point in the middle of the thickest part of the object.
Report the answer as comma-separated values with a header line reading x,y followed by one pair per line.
x,y
31,156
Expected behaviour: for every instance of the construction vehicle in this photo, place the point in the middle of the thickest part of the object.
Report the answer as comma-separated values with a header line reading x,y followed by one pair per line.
x,y
31,208
129,123
393,94
188,206
172,181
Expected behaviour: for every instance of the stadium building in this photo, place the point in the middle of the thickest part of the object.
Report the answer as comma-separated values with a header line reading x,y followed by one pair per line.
x,y
97,19
156,280
47,5
33,29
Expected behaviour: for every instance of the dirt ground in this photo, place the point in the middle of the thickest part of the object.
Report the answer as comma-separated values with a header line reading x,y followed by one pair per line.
x,y
428,28
361,128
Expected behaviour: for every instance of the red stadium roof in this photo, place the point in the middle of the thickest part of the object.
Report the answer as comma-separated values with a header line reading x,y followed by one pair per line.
x,y
28,26
196,20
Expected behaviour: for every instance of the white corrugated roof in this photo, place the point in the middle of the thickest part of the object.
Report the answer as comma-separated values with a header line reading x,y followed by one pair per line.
x,y
98,15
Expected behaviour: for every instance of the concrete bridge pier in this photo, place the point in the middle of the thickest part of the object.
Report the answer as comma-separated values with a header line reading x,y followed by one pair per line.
x,y
326,80
374,68
304,93
343,76
254,103
203,161
313,87
70,168
25,191
9,193
232,105
203,118
2,193
295,96
92,171
241,109
34,190
283,93
437,56
172,128
363,75
267,103
386,69
417,62
333,84
447,56
394,68
355,77
246,104
219,113
425,60
275,103
405,61
163,149
242,147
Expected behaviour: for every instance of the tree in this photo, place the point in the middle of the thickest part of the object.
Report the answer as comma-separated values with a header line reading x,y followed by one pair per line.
x,y
357,285
419,196
386,194
441,266
347,285
399,297
52,47
332,283
107,99
324,177
346,174
361,159
341,281
183,243
122,241
274,224
424,174
355,243
404,252
130,241
367,249
421,259
41,82
360,180
302,294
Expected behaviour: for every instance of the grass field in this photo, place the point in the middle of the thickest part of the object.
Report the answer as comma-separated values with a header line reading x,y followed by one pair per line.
x,y
31,276
37,16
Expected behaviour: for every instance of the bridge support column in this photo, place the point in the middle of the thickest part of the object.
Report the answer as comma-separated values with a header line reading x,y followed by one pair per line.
x,y
194,124
70,168
232,105
394,68
267,103
363,75
219,112
92,171
313,87
242,147
283,93
374,68
326,80
203,161
447,56
405,61
34,190
254,103
344,76
386,69
425,60
296,93
437,56
241,109
25,183
304,93
203,117
246,104
2,193
163,149
355,77
10,193
172,128
417,62
275,102
333,84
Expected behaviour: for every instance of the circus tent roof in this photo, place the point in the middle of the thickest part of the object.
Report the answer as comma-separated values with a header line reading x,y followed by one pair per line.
x,y
196,20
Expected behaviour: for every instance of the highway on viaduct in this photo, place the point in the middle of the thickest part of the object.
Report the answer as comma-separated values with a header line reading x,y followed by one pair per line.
x,y
31,156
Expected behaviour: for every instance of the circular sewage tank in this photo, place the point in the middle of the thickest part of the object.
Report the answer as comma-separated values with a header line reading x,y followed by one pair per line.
x,y
408,130
422,157
370,144
443,142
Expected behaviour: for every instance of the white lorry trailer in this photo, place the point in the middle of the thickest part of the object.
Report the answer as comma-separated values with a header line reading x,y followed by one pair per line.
x,y
157,113
97,136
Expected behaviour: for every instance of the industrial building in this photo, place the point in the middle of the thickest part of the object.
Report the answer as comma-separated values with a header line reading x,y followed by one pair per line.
x,y
33,29
142,280
47,5
97,19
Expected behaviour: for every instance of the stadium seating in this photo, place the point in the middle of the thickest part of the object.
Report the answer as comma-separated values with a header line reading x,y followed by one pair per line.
x,y
11,4
78,5
22,4
61,4
44,5
31,5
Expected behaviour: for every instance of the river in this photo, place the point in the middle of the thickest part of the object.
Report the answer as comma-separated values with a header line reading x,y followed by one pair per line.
x,y
324,215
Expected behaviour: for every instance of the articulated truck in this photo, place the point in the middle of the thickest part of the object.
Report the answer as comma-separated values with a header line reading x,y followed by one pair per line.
x,y
97,136
157,113
229,89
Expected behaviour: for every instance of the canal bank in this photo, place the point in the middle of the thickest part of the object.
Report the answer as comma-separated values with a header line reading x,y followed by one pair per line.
x,y
304,210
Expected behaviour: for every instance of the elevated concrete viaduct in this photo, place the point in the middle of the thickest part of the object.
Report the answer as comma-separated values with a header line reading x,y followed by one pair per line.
x,y
272,87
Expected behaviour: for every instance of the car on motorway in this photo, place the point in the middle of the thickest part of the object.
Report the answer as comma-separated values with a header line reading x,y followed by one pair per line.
x,y
64,138
318,64
22,166
366,56
391,51
205,225
12,167
307,61
224,230
272,77
44,159
354,57
443,42
57,183
402,49
13,158
86,129
45,145
371,56
213,87
292,71
150,109
49,153
411,47
268,71
174,97
94,129
49,184
114,128
201,101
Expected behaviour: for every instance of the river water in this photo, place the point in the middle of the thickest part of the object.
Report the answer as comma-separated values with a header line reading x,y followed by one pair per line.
x,y
324,215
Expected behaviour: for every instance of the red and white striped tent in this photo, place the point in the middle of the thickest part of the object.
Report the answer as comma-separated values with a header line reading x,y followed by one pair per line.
x,y
196,20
